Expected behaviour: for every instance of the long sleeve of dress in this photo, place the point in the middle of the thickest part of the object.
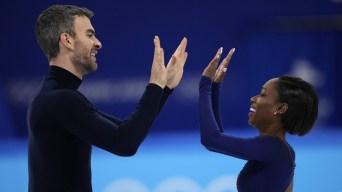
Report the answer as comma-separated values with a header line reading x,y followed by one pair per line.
x,y
269,158
212,135
215,99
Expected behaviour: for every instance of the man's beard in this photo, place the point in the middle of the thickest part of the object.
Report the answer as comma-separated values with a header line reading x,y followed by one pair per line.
x,y
82,59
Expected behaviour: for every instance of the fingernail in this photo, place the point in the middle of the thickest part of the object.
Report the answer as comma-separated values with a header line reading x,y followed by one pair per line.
x,y
224,70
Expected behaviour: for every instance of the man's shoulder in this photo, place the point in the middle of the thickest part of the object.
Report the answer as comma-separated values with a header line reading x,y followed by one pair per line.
x,y
58,98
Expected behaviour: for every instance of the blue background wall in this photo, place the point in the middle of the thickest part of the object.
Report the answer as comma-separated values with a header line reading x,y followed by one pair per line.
x,y
271,38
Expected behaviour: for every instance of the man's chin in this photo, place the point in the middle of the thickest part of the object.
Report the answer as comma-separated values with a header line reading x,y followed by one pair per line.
x,y
94,68
91,69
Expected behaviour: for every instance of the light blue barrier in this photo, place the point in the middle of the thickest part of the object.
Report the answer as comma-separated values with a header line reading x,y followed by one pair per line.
x,y
176,162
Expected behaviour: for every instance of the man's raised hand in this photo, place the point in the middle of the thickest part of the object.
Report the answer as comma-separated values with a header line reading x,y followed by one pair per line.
x,y
158,71
176,65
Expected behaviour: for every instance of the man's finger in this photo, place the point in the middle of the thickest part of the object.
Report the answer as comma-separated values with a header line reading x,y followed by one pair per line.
x,y
182,46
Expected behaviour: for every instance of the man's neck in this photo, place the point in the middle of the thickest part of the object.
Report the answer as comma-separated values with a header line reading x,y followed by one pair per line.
x,y
66,64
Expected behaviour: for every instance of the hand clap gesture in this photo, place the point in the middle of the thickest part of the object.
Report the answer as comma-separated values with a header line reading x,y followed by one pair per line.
x,y
217,74
176,65
171,75
158,71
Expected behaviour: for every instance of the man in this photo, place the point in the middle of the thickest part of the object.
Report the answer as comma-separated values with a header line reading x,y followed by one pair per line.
x,y
63,124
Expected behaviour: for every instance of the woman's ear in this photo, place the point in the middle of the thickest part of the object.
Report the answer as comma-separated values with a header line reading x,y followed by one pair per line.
x,y
283,108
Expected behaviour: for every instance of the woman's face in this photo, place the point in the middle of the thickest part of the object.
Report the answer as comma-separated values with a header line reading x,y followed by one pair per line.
x,y
264,105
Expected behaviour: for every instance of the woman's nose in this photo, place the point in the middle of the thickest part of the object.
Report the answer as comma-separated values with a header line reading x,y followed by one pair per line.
x,y
253,99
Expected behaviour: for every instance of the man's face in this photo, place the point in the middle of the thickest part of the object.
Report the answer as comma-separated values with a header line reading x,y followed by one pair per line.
x,y
86,46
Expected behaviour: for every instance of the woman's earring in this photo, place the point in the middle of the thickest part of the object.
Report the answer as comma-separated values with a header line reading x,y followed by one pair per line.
x,y
278,113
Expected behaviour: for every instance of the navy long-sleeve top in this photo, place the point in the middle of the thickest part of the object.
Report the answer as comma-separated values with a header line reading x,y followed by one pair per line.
x,y
270,165
63,125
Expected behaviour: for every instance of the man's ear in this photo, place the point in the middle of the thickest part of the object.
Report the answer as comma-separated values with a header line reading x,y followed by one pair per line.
x,y
67,41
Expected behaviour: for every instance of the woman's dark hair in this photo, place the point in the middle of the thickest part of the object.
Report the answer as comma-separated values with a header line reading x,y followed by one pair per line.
x,y
54,21
302,101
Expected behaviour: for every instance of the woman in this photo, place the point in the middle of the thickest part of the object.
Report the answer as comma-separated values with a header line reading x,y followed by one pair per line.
x,y
285,105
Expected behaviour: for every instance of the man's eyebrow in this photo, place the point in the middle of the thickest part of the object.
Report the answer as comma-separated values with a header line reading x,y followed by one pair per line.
x,y
92,31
